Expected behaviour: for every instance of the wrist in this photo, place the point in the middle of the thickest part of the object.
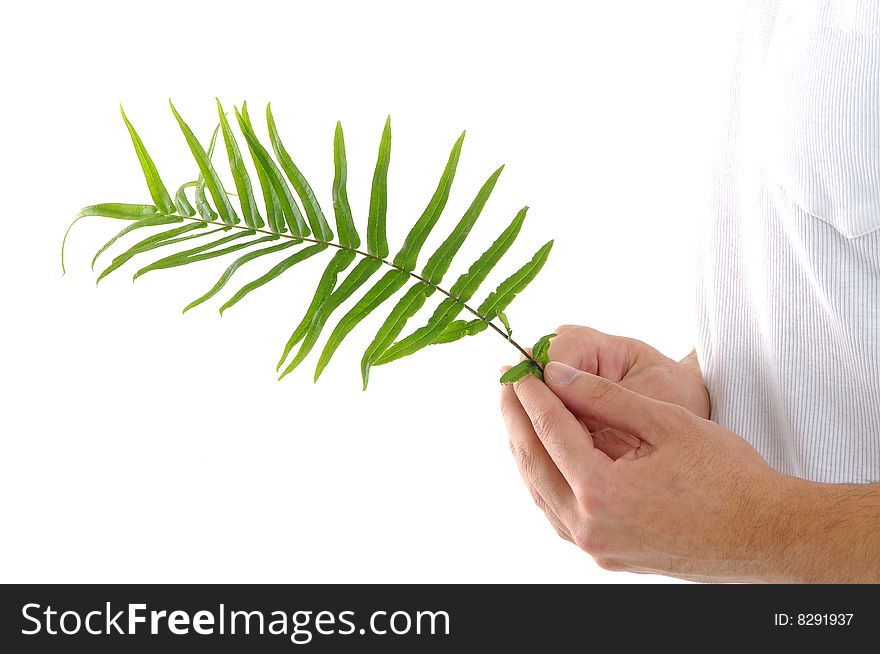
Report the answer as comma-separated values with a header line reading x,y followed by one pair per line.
x,y
761,535
797,544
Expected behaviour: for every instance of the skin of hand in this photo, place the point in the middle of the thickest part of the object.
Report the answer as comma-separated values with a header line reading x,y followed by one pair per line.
x,y
691,500
634,365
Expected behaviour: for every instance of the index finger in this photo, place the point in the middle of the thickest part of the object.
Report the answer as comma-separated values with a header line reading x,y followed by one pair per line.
x,y
566,440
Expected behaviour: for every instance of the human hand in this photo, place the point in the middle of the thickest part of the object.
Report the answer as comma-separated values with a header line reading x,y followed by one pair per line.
x,y
634,365
693,500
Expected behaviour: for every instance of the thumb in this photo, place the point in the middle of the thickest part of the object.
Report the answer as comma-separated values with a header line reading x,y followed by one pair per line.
x,y
598,398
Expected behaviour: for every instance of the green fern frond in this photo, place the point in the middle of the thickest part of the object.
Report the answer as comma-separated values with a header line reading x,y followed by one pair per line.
x,y
294,219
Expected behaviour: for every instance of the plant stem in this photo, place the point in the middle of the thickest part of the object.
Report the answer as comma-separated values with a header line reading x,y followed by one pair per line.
x,y
390,264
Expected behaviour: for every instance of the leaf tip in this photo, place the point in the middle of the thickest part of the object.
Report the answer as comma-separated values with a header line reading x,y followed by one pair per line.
x,y
365,370
319,368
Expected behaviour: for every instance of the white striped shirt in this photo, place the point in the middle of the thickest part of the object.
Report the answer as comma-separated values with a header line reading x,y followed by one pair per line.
x,y
788,301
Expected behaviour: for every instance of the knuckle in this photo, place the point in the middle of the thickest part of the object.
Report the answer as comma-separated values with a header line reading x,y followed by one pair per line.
x,y
588,499
585,538
521,455
608,564
562,532
675,418
605,392
581,493
537,499
544,421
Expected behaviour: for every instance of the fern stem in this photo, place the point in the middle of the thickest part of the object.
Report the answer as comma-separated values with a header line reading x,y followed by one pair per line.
x,y
390,264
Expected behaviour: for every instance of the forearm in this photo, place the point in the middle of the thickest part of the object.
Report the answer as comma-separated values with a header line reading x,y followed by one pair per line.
x,y
802,531
825,533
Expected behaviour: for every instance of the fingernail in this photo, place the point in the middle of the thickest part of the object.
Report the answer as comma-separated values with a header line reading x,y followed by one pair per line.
x,y
559,373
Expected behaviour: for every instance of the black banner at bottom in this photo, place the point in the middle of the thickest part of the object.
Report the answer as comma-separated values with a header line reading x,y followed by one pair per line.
x,y
426,618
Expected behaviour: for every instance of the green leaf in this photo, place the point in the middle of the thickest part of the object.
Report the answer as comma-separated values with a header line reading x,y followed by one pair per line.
x,y
162,239
240,175
212,180
466,285
391,282
340,261
433,272
184,208
235,265
377,241
440,261
495,303
291,204
501,297
116,210
521,370
348,236
202,204
412,245
458,329
540,353
443,315
503,318
157,189
150,221
320,229
541,349
279,268
463,289
406,308
357,278
274,211
198,254
289,208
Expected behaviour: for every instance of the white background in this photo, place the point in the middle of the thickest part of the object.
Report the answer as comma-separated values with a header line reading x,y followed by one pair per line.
x,y
142,445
